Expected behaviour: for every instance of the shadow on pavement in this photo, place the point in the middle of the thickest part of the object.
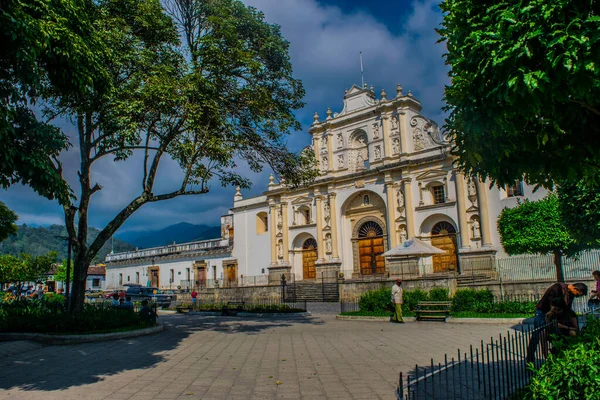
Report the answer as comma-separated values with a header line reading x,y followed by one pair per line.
x,y
60,367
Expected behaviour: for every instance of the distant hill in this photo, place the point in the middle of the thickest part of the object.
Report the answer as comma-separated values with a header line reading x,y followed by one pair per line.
x,y
40,240
179,233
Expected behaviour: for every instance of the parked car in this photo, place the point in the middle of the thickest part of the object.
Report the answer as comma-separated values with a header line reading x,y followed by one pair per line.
x,y
139,293
94,293
109,295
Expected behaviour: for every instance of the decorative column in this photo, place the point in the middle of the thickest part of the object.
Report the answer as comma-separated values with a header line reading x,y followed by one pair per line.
x,y
462,211
334,231
320,247
386,135
329,150
285,232
484,213
391,211
404,123
408,199
273,215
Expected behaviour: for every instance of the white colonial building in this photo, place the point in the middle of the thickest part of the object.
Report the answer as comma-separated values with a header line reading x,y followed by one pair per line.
x,y
386,175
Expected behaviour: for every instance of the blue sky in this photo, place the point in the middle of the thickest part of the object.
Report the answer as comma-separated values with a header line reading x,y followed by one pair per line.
x,y
398,43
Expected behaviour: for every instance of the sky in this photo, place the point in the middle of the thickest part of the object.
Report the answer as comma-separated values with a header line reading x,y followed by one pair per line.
x,y
398,43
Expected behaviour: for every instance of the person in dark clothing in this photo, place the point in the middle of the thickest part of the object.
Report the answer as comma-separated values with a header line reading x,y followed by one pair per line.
x,y
147,314
566,320
567,292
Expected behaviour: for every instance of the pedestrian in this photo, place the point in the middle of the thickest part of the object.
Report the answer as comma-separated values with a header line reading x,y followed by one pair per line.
x,y
566,320
397,301
128,304
147,314
594,301
194,297
568,292
115,300
40,292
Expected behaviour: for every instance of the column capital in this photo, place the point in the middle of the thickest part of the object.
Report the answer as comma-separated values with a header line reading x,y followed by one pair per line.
x,y
332,194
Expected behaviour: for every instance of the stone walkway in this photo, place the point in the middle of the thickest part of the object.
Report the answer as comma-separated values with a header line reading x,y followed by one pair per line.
x,y
198,357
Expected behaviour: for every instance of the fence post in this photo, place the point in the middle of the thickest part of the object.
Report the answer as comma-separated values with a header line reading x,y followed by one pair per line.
x,y
283,288
323,285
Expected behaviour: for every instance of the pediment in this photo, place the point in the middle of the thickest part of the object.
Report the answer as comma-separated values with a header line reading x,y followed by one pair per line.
x,y
357,98
302,200
433,174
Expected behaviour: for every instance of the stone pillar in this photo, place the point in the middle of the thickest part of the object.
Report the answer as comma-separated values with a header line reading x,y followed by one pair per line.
x,y
484,213
462,211
317,148
329,151
334,230
320,248
404,126
284,231
408,202
273,228
386,135
391,211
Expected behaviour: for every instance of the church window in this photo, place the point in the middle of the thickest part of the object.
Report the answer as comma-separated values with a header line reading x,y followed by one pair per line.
x,y
366,200
515,190
262,223
439,194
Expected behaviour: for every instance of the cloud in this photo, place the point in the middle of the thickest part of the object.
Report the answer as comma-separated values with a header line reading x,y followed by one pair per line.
x,y
324,46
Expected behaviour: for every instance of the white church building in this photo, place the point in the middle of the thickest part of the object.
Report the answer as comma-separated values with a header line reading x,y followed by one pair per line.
x,y
386,176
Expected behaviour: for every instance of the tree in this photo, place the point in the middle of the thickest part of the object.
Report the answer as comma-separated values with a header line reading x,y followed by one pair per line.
x,y
25,268
7,222
226,94
524,97
579,205
47,50
536,227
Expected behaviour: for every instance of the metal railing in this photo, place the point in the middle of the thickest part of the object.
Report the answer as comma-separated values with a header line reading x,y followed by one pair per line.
x,y
171,249
493,369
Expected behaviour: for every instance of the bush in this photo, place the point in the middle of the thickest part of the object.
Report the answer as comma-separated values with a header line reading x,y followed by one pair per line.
x,y
412,298
465,299
376,300
573,372
438,294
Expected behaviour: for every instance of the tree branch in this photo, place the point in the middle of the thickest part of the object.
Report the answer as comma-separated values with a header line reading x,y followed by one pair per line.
x,y
111,151
586,106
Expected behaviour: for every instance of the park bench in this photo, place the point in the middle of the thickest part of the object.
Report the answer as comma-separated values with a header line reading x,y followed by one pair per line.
x,y
433,310
181,307
232,307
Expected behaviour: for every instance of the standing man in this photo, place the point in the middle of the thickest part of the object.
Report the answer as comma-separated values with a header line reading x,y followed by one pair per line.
x,y
194,295
567,292
397,300
594,301
40,292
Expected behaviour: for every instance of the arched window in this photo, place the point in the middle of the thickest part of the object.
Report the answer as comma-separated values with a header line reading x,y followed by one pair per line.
x,y
370,229
309,244
443,228
262,222
438,194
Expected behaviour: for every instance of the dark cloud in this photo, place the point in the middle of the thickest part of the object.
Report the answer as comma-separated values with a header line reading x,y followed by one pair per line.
x,y
325,41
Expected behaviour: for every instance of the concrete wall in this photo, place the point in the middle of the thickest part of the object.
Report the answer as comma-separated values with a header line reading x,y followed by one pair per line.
x,y
252,250
352,290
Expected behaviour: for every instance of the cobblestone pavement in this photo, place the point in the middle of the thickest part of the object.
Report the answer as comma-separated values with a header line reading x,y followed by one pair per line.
x,y
196,357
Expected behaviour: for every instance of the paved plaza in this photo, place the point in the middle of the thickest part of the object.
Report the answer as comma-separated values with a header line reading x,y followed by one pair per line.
x,y
201,357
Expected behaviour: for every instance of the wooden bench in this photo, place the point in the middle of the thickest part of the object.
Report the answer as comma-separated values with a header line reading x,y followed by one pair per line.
x,y
232,307
433,310
180,308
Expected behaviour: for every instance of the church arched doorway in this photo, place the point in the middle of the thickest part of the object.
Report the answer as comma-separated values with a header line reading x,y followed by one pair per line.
x,y
370,248
443,236
309,256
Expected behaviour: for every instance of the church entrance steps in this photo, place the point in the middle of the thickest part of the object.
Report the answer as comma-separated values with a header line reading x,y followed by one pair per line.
x,y
313,291
473,279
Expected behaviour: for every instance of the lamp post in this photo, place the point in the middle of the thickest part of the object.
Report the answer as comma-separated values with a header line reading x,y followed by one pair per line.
x,y
68,272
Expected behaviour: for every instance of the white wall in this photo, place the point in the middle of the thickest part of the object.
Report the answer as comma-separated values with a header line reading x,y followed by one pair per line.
x,y
252,250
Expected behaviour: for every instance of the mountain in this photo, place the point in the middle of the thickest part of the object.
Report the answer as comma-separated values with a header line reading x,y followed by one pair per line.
x,y
179,233
40,240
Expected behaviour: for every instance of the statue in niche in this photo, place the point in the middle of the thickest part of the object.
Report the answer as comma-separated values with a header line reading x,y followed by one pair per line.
x,y
325,140
400,196
280,249
360,162
340,140
394,123
476,230
341,160
328,244
327,210
324,162
377,152
396,146
403,235
471,190
375,130
362,140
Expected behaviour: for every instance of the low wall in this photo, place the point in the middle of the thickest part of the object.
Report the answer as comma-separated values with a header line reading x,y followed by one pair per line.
x,y
352,290
526,289
218,295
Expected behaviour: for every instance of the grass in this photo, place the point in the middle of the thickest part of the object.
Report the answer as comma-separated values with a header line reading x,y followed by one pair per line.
x,y
115,330
375,313
461,314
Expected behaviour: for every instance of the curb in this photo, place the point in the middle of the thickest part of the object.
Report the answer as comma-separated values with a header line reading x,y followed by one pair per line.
x,y
76,339
248,314
516,321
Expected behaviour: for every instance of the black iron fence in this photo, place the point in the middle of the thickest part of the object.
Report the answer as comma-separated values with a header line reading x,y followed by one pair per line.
x,y
493,369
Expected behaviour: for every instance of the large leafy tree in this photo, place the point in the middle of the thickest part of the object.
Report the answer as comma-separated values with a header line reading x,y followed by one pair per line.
x,y
525,88
579,204
47,50
25,268
225,94
536,227
7,222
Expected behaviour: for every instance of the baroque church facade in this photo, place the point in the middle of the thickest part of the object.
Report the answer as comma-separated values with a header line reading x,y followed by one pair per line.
x,y
386,175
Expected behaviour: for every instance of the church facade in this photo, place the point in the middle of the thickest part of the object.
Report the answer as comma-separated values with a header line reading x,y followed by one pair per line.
x,y
386,175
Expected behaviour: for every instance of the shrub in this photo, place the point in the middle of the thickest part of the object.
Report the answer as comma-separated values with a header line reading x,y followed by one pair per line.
x,y
412,298
438,294
376,300
465,299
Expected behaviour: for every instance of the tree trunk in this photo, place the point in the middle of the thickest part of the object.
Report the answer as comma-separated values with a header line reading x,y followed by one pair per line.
x,y
560,277
81,265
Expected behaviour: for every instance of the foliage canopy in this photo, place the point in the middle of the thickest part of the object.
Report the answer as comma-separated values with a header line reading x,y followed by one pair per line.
x,y
7,222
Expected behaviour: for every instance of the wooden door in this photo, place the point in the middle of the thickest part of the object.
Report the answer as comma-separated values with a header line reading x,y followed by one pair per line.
x,y
154,281
309,256
371,261
231,275
447,261
201,277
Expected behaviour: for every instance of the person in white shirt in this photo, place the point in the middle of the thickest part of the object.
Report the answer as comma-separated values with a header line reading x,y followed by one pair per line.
x,y
397,300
